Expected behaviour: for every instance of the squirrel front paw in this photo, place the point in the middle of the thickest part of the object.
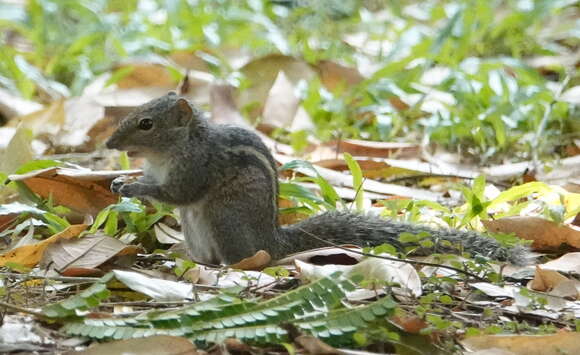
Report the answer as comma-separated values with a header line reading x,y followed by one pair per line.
x,y
128,190
117,183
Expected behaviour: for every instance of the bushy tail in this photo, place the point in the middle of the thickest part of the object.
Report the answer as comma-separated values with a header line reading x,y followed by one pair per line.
x,y
369,230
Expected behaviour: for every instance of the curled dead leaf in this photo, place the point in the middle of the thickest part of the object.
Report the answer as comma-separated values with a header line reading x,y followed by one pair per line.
x,y
257,261
545,234
84,191
546,280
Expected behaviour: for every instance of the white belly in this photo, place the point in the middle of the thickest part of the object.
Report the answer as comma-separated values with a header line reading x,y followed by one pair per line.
x,y
198,234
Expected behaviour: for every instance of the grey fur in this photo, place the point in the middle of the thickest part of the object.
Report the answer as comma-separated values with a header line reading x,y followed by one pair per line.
x,y
224,182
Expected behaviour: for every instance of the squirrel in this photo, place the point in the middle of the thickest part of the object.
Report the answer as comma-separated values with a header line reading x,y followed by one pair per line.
x,y
224,182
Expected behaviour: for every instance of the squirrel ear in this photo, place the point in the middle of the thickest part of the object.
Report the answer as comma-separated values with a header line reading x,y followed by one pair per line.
x,y
184,110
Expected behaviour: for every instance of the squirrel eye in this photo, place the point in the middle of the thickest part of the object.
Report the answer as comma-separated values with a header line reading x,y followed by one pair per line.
x,y
146,124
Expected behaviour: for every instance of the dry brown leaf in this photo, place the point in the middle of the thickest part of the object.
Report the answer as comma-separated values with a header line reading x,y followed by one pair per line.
x,y
236,346
88,252
189,60
263,72
82,272
371,169
6,220
410,323
398,104
30,255
145,75
360,148
153,345
257,261
378,149
84,191
546,280
545,234
334,75
556,344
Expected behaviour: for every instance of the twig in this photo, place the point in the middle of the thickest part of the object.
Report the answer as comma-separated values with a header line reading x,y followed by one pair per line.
x,y
21,309
54,278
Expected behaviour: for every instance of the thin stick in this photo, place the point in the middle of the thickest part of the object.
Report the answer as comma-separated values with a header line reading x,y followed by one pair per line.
x,y
54,278
21,309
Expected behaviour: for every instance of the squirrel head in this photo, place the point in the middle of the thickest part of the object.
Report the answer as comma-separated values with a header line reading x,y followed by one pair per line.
x,y
157,125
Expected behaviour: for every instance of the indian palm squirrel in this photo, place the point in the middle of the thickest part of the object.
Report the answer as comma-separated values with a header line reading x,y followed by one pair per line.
x,y
224,182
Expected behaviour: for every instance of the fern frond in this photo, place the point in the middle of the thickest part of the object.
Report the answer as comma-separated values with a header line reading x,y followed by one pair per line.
x,y
315,308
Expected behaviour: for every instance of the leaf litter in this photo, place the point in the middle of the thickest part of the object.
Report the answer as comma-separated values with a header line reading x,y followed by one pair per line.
x,y
432,300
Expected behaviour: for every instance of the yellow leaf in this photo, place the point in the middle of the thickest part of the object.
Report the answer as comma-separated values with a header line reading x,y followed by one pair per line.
x,y
30,255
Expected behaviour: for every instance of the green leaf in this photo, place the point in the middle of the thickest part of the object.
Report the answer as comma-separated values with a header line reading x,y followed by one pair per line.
x,y
522,191
357,180
127,205
91,297
56,223
124,161
111,226
100,219
37,165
